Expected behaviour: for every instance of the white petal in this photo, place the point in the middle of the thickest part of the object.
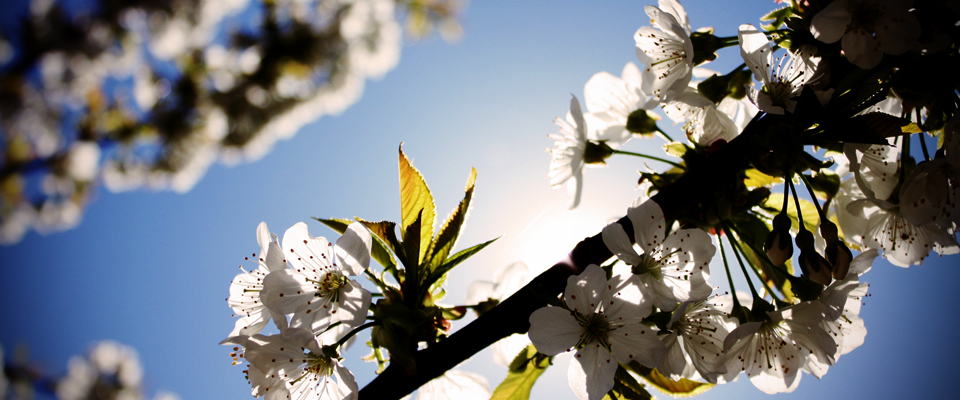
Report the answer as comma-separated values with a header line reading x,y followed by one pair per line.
x,y
591,372
353,249
861,48
354,303
554,330
831,23
346,383
756,52
584,292
286,290
636,342
306,253
648,225
617,241
675,364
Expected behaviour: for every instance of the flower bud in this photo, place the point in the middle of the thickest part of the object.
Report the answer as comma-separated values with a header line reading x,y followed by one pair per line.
x,y
836,252
778,246
812,264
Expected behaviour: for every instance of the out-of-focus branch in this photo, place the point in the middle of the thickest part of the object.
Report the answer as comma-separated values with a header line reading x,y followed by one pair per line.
x,y
512,315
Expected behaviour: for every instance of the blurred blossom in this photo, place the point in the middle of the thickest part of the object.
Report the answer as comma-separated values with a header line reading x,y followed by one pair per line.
x,y
170,87
110,371
456,384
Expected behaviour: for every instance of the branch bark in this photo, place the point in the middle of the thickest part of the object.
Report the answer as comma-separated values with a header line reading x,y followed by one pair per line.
x,y
512,315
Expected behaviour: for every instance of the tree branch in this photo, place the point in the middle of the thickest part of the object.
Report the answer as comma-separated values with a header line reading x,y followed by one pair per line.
x,y
512,315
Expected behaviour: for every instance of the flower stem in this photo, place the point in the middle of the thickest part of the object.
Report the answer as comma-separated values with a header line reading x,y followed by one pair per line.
x,y
905,152
355,331
813,197
630,153
726,266
664,135
736,252
746,276
796,200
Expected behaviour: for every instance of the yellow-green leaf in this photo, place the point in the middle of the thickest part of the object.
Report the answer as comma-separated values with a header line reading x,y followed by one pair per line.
x,y
676,149
415,202
682,388
626,387
524,371
450,230
911,128
811,219
757,179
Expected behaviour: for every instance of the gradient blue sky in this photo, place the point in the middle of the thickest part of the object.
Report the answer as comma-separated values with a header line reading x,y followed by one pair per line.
x,y
152,269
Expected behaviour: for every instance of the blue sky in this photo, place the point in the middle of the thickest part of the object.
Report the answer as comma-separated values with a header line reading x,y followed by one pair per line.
x,y
152,269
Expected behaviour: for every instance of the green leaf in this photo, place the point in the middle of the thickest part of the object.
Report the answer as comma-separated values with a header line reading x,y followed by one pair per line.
x,y
626,387
524,371
777,17
811,219
450,230
378,250
682,388
411,247
756,179
454,260
676,149
416,202
385,233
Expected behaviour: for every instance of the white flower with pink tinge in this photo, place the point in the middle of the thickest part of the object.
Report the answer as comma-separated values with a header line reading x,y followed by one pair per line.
x,y
602,321
316,289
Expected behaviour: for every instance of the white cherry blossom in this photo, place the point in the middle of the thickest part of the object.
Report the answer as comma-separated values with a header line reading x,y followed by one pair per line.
x,y
291,365
903,243
930,193
782,78
316,289
705,122
875,168
666,49
610,101
695,345
867,28
603,324
566,158
772,352
842,301
246,287
669,269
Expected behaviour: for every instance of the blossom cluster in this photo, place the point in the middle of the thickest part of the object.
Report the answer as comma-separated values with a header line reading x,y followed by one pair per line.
x,y
657,310
109,371
304,287
871,196
152,94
